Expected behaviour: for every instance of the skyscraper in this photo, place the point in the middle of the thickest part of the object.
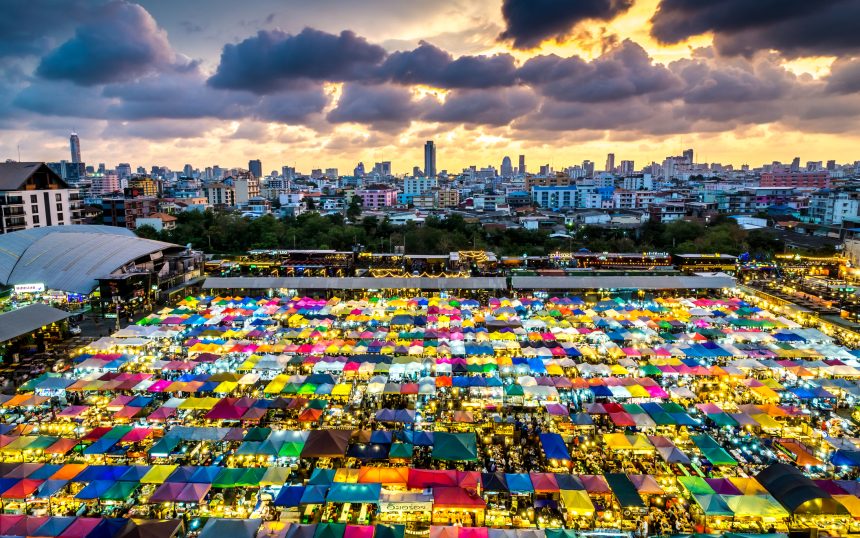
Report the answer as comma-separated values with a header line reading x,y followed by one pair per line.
x,y
588,168
255,166
430,159
688,155
627,168
187,170
75,144
507,169
522,167
610,162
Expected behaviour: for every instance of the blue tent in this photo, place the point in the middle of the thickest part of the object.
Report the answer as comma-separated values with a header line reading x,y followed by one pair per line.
x,y
354,493
290,496
95,489
314,495
846,458
519,483
554,447
321,477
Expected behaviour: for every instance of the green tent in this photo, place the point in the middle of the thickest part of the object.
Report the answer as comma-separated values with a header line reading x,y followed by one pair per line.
x,y
455,446
560,533
318,404
514,390
389,531
330,530
257,434
228,478
401,450
712,450
291,449
251,477
119,491
713,505
696,485
650,369
723,419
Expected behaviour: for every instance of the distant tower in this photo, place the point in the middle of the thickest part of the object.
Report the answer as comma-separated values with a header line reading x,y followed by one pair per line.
x,y
75,144
610,162
507,169
255,166
522,168
430,159
688,155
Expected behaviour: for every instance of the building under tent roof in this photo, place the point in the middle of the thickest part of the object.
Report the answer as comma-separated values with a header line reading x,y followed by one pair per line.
x,y
72,258
28,319
638,282
796,492
355,283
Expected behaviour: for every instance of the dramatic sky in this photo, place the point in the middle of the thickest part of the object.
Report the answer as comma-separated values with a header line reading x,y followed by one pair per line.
x,y
333,82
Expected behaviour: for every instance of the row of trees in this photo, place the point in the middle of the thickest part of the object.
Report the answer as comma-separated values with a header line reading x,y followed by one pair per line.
x,y
229,233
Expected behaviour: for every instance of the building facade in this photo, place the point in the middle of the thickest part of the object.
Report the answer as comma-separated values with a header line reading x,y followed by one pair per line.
x,y
32,196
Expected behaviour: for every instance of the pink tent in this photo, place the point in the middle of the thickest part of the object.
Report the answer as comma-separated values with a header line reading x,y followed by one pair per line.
x,y
358,531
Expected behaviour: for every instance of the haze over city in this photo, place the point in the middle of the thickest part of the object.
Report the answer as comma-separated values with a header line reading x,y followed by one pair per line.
x,y
332,83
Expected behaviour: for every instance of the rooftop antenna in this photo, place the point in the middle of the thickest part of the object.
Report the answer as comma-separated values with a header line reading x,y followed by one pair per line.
x,y
19,152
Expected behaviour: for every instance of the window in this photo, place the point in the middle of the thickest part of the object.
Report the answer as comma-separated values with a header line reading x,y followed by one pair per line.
x,y
35,219
33,198
60,217
58,197
34,209
59,207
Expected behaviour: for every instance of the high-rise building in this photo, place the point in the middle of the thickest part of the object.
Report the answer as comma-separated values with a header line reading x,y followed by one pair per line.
x,y
627,168
831,165
382,169
507,168
610,162
430,158
331,173
255,166
75,144
795,164
123,171
522,166
688,155
588,168
358,171
187,170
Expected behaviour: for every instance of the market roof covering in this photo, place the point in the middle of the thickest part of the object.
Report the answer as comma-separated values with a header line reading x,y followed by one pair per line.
x,y
699,281
70,258
28,319
355,283
797,492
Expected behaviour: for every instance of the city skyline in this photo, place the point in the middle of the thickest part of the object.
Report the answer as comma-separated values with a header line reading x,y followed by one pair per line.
x,y
331,85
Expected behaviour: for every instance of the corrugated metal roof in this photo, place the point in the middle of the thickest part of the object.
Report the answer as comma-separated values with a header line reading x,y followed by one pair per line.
x,y
354,283
28,319
13,245
70,258
644,282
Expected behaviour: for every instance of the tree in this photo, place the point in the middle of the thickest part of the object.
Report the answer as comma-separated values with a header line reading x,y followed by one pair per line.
x,y
147,232
353,211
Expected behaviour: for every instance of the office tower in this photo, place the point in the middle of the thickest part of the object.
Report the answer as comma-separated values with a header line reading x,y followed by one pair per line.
x,y
187,170
610,162
255,166
688,155
75,144
588,168
545,170
507,168
831,165
522,167
795,164
627,168
331,173
102,168
358,171
123,170
430,158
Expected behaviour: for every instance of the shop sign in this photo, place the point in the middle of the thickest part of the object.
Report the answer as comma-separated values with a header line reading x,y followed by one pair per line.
x,y
29,288
416,506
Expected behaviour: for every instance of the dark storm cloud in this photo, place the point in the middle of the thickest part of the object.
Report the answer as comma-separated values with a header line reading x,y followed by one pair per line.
x,y
274,60
121,41
530,22
844,76
733,82
623,72
484,107
385,107
428,64
29,28
794,27
59,98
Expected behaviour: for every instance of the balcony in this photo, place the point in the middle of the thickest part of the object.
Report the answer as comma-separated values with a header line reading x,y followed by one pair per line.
x,y
15,221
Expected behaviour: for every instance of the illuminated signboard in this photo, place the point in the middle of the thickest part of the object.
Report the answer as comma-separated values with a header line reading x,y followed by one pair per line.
x,y
29,288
